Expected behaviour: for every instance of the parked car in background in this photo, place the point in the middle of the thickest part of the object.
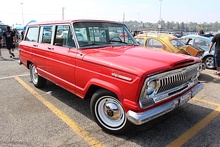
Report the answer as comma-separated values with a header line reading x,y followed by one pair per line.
x,y
166,42
202,41
3,28
178,34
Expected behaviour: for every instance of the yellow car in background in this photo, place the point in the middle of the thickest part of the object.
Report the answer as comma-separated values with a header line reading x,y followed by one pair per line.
x,y
167,42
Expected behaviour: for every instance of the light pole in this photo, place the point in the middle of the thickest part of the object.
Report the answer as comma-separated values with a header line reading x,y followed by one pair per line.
x,y
160,9
63,9
159,25
22,15
123,17
138,22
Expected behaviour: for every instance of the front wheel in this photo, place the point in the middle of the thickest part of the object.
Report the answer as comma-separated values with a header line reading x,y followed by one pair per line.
x,y
37,80
108,112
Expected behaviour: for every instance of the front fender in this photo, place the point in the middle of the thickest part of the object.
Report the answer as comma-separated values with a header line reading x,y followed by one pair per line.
x,y
106,85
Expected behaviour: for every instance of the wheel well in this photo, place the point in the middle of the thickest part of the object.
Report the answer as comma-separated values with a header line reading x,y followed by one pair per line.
x,y
28,64
92,89
207,57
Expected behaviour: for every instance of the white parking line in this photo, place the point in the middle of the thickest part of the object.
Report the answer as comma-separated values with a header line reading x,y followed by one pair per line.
x,y
2,78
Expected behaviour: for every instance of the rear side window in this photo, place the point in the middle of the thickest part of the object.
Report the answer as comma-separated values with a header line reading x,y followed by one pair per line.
x,y
201,42
46,34
32,34
154,43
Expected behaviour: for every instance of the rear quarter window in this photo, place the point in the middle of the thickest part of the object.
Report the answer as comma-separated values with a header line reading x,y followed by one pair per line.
x,y
201,42
32,34
154,43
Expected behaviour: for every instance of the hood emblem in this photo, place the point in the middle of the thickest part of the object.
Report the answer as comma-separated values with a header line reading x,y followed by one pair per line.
x,y
121,77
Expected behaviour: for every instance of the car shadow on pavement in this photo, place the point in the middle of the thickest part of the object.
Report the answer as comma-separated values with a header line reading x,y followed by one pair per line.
x,y
207,78
9,59
78,104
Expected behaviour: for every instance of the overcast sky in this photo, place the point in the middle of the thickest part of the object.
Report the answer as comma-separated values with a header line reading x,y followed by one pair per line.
x,y
141,10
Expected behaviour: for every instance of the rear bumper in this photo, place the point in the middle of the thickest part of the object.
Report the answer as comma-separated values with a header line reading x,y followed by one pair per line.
x,y
143,117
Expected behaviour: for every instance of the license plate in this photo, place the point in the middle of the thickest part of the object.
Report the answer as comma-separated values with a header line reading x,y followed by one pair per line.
x,y
185,98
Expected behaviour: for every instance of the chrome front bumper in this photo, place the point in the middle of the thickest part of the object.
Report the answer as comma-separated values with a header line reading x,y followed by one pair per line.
x,y
143,117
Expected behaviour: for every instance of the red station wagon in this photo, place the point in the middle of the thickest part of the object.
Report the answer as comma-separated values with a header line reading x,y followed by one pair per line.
x,y
127,84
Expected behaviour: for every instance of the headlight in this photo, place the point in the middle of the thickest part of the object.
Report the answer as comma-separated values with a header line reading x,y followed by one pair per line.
x,y
151,86
197,72
146,97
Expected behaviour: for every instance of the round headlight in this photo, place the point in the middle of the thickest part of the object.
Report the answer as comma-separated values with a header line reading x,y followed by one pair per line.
x,y
151,87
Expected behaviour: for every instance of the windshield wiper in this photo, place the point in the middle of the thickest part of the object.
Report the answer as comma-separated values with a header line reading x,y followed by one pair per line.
x,y
90,44
120,41
95,45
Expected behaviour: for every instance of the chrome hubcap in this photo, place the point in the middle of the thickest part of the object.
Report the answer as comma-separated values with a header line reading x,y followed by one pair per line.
x,y
34,75
210,62
112,111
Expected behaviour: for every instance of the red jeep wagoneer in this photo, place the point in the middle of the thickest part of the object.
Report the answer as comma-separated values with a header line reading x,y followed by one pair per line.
x,y
126,83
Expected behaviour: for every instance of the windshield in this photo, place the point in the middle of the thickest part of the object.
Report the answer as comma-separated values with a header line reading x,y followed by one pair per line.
x,y
99,34
177,42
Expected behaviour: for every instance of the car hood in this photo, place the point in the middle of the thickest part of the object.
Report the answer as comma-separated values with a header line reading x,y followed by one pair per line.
x,y
136,60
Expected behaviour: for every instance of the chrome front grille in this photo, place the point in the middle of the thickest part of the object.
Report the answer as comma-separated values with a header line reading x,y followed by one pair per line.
x,y
165,85
176,79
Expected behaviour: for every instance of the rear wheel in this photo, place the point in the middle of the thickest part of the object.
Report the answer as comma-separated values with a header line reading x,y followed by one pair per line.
x,y
209,62
37,80
108,112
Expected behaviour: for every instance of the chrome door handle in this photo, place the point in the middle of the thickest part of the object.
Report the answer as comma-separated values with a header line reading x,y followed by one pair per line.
x,y
50,48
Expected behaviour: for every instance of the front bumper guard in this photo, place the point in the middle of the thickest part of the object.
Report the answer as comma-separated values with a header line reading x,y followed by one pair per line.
x,y
143,117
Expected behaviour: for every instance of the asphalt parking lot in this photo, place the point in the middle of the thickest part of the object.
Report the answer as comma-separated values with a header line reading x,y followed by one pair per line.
x,y
52,117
